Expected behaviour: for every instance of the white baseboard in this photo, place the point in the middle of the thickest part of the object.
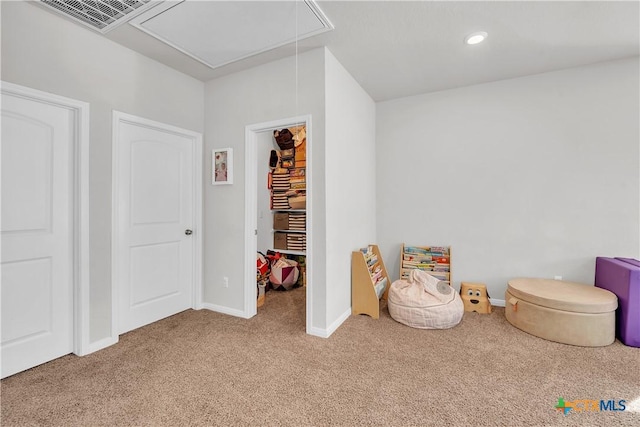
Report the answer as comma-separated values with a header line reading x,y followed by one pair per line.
x,y
326,333
318,332
225,310
103,343
497,302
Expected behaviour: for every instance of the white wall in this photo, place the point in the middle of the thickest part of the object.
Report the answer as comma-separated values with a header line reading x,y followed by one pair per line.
x,y
43,51
261,94
268,93
534,176
350,181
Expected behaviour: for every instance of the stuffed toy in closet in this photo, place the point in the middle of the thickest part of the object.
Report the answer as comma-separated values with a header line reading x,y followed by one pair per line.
x,y
424,302
284,272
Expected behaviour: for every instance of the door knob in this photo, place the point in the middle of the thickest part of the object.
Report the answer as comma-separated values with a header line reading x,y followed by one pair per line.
x,y
188,232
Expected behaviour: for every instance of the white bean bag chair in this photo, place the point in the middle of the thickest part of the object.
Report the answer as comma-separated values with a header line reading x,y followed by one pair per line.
x,y
425,302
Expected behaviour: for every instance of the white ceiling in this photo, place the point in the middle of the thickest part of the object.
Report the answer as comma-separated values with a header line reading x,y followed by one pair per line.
x,y
401,48
397,49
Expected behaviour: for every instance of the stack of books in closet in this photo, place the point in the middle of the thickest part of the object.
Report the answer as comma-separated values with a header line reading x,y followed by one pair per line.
x,y
378,280
298,221
296,242
280,180
279,201
435,260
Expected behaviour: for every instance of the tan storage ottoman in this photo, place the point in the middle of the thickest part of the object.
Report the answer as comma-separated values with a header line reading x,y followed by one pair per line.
x,y
565,312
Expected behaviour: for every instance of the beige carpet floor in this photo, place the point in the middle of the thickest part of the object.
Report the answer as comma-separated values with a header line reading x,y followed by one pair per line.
x,y
203,368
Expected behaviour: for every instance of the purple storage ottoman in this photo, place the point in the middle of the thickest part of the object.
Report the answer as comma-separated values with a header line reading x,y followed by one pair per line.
x,y
622,277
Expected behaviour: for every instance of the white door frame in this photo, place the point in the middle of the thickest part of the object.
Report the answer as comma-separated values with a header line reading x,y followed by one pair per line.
x,y
251,212
80,205
118,119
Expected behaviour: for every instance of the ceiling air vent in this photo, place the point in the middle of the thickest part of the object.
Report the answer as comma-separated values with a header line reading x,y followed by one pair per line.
x,y
101,15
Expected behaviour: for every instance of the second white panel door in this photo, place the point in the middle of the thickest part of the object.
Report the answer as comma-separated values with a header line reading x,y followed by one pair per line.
x,y
155,273
37,231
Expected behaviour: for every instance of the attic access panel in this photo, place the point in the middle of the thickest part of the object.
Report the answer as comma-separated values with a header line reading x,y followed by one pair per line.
x,y
99,15
217,33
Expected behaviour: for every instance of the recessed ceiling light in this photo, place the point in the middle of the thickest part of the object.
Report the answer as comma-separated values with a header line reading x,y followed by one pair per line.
x,y
475,38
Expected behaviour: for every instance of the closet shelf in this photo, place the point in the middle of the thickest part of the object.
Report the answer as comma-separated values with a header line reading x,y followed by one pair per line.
x,y
289,252
287,183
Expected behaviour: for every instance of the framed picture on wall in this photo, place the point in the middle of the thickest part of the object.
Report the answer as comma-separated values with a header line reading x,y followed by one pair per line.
x,y
222,166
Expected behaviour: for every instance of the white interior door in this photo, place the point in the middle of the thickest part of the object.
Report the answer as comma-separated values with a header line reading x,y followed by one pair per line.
x,y
155,223
37,233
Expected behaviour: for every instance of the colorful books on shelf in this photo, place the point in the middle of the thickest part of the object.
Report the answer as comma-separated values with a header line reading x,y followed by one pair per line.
x,y
426,266
417,257
366,251
436,260
371,260
376,274
380,286
369,256
413,250
439,250
375,270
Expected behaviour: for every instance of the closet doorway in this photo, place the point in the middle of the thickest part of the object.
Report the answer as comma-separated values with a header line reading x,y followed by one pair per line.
x,y
256,137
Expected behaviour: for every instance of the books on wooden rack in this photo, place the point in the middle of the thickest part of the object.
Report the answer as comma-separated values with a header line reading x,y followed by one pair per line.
x,y
435,260
369,281
378,279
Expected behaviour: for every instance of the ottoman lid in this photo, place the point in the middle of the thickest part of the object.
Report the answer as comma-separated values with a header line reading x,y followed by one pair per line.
x,y
561,295
630,261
